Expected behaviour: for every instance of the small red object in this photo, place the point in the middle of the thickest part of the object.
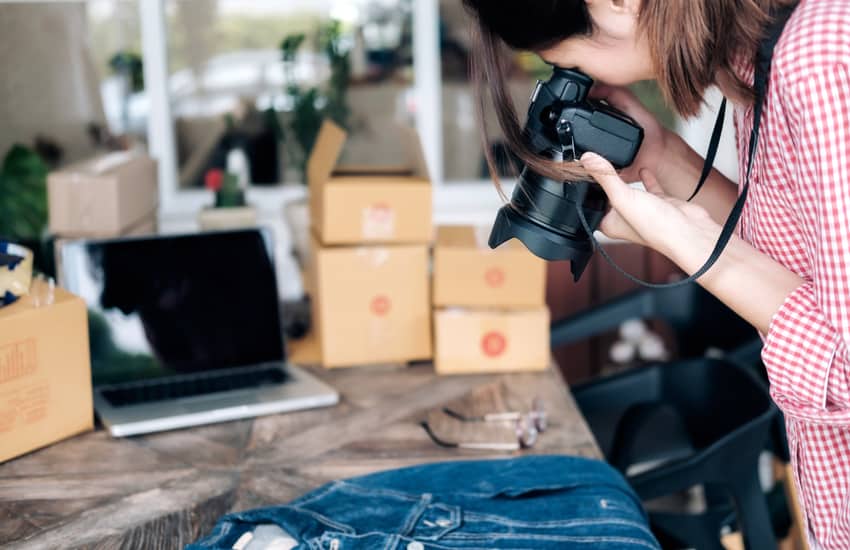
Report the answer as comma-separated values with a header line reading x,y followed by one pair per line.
x,y
494,277
380,305
493,344
214,179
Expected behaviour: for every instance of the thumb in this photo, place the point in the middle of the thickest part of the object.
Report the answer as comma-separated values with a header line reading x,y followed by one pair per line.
x,y
605,175
650,182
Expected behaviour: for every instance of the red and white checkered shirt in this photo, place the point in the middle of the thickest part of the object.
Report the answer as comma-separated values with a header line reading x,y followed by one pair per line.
x,y
798,212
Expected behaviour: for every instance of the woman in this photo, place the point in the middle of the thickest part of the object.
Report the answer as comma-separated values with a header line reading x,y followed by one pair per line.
x,y
788,270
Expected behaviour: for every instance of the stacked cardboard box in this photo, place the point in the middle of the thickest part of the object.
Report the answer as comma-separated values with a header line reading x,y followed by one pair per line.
x,y
489,305
368,269
107,196
112,195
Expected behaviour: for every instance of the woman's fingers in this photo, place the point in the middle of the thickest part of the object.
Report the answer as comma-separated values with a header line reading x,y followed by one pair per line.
x,y
651,182
621,98
600,91
615,227
605,175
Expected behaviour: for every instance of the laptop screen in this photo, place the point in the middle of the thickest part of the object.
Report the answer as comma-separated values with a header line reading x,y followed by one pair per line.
x,y
169,305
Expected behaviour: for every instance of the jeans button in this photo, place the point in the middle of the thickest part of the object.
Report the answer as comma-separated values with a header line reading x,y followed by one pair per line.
x,y
334,544
415,545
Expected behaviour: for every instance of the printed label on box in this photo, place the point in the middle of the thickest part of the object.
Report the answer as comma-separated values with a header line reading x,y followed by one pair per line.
x,y
27,405
378,221
17,360
494,344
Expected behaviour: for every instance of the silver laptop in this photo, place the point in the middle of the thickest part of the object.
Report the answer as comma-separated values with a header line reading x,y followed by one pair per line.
x,y
186,330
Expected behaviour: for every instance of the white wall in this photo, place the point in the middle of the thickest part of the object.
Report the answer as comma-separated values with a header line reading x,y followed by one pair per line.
x,y
697,132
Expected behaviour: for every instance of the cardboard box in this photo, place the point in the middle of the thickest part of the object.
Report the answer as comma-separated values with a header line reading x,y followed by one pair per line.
x,y
104,196
375,202
467,273
478,341
45,372
370,304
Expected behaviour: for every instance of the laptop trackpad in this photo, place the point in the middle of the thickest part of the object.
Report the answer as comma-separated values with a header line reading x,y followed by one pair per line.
x,y
213,403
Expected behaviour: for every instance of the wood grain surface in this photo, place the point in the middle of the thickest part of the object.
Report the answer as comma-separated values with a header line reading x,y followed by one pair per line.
x,y
164,490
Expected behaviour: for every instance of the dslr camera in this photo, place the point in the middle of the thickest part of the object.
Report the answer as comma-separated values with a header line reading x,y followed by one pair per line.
x,y
562,124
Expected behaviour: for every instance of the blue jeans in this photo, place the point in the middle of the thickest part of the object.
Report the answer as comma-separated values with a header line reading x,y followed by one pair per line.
x,y
534,502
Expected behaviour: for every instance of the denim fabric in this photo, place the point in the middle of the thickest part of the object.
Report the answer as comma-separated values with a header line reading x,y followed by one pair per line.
x,y
534,502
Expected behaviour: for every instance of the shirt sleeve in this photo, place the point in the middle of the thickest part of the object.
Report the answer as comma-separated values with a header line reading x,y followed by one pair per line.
x,y
806,348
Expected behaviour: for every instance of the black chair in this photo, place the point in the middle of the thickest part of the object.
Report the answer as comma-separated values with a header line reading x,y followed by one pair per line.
x,y
700,421
699,321
704,422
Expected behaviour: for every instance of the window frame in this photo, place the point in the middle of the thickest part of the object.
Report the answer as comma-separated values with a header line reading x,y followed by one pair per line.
x,y
468,201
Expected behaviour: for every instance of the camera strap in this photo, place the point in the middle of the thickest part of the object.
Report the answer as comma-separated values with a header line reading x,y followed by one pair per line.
x,y
764,56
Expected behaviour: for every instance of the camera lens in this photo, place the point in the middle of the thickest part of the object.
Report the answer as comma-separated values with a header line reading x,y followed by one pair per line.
x,y
543,215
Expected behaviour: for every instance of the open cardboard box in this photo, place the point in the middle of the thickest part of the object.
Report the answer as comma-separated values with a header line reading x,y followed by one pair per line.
x,y
355,202
467,273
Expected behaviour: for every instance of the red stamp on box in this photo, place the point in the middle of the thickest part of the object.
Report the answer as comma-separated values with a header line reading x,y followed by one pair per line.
x,y
380,305
378,221
495,277
493,344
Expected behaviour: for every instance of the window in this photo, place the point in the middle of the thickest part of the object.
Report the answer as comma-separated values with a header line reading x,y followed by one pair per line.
x,y
463,156
258,76
70,71
115,45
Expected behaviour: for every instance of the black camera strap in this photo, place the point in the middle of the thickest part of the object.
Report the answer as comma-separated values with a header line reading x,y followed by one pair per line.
x,y
764,56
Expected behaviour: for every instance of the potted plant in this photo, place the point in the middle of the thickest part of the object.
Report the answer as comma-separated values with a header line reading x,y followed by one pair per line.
x,y
23,208
230,209
128,66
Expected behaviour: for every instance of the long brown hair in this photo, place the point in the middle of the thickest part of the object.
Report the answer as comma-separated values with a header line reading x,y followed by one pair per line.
x,y
693,43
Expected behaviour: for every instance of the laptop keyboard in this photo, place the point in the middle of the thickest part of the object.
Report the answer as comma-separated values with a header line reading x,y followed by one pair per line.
x,y
203,384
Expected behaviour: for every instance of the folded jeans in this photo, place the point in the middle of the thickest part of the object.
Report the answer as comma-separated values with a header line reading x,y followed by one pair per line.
x,y
534,502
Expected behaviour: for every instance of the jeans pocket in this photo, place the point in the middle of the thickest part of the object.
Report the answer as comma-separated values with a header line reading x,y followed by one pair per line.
x,y
379,510
548,515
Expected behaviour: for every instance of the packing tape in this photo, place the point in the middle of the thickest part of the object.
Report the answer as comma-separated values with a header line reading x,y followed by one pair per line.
x,y
15,271
482,237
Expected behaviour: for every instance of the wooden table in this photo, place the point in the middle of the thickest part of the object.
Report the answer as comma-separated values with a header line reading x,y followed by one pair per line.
x,y
164,490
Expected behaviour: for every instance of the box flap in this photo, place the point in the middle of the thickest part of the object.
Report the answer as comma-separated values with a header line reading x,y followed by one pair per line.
x,y
462,236
393,151
325,153
100,165
470,237
346,170
26,303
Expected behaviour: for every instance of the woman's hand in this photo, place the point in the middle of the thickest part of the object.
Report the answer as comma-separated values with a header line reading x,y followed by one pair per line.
x,y
678,229
654,149
666,156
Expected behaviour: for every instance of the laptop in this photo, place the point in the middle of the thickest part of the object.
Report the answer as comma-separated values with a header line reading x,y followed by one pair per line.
x,y
185,330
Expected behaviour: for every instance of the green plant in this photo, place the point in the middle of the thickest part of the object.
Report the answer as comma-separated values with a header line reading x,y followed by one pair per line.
x,y
129,65
314,104
23,195
228,194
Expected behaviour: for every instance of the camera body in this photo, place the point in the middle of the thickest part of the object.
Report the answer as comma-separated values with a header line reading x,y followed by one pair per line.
x,y
562,124
561,116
